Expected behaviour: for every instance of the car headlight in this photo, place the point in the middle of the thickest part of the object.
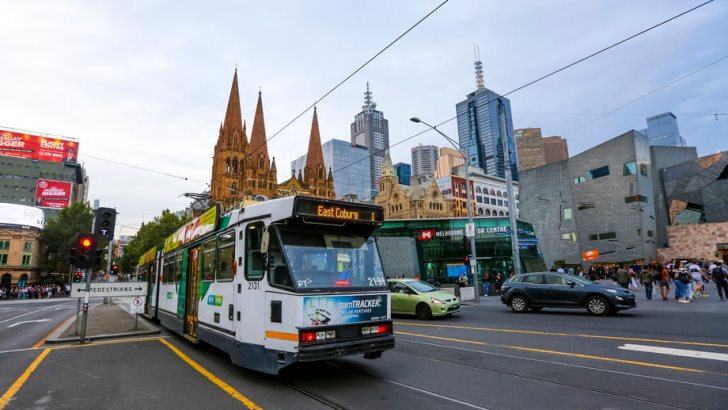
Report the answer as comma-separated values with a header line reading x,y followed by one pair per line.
x,y
437,301
612,291
504,289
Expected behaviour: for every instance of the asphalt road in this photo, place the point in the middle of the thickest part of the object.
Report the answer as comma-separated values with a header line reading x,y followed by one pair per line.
x,y
486,357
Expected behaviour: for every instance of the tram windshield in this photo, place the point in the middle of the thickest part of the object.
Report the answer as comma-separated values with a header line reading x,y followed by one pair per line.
x,y
332,261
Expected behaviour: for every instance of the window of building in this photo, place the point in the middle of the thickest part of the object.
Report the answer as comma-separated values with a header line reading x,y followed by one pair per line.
x,y
500,202
598,172
630,168
643,170
579,180
28,246
26,260
650,234
3,259
4,244
568,213
582,207
569,236
602,236
255,259
635,198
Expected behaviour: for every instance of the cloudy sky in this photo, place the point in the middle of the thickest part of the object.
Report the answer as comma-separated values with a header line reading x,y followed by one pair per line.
x,y
146,83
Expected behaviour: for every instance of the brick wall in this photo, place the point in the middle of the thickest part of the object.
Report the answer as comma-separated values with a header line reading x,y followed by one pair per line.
x,y
694,241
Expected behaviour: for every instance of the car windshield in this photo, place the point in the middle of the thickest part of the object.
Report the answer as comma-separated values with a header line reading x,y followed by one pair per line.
x,y
421,287
320,260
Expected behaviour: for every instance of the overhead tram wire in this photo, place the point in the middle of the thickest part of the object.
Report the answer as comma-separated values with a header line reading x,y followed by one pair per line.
x,y
648,94
351,75
146,169
543,77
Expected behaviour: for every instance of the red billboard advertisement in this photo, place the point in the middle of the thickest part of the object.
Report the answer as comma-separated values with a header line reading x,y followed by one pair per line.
x,y
53,194
590,255
36,147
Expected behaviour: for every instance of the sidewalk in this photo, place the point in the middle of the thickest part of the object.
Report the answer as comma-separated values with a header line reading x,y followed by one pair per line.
x,y
104,322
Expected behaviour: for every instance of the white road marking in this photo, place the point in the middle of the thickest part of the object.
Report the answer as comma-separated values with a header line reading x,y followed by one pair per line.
x,y
697,354
29,313
29,321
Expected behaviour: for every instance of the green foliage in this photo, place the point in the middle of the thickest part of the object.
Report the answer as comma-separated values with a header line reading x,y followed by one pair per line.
x,y
150,234
59,235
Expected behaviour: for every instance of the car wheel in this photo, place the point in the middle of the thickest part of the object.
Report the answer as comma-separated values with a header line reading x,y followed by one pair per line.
x,y
536,308
597,305
518,304
423,311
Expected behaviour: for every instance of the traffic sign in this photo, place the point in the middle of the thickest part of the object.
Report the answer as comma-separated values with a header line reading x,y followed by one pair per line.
x,y
470,230
114,289
136,305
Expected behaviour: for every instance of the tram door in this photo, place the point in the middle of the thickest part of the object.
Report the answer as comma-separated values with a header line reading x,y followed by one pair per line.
x,y
193,294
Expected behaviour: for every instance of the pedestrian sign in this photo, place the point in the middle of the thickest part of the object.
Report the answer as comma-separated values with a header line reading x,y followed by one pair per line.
x,y
136,305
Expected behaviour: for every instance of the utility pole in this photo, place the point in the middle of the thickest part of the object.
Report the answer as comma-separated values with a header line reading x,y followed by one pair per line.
x,y
509,188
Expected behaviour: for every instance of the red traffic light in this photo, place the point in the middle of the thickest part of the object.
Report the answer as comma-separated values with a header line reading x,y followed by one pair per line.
x,y
86,242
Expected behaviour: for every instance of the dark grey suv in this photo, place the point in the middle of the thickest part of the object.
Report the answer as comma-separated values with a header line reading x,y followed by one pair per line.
x,y
550,289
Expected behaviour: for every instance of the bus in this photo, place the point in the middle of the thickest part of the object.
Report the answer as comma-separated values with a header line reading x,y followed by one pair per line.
x,y
293,279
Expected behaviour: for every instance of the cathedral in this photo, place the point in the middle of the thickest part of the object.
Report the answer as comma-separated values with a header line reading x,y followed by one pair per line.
x,y
242,170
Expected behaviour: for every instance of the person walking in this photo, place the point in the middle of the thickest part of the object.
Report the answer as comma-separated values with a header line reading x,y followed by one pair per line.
x,y
486,283
647,276
663,280
720,277
623,277
498,282
697,275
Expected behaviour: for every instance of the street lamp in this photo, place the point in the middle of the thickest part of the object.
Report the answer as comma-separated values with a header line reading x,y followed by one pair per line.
x,y
473,259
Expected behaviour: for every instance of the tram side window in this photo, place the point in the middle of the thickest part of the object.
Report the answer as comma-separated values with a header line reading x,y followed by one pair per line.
x,y
254,259
226,256
168,271
208,261
178,268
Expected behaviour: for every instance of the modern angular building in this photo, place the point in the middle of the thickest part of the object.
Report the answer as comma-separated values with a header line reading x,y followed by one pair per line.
x,y
424,160
403,172
479,128
662,130
350,165
371,130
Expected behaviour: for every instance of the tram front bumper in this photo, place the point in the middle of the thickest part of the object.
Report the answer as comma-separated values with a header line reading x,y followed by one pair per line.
x,y
345,348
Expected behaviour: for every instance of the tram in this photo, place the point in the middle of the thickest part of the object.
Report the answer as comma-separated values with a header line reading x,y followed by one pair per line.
x,y
287,280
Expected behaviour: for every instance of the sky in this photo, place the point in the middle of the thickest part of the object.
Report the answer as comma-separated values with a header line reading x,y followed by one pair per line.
x,y
146,83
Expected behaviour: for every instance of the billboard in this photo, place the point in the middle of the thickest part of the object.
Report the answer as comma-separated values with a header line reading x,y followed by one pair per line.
x,y
590,255
21,216
16,144
337,310
193,229
53,194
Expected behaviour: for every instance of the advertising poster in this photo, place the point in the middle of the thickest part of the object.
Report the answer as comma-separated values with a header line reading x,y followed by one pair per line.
x,y
36,147
53,194
336,310
193,229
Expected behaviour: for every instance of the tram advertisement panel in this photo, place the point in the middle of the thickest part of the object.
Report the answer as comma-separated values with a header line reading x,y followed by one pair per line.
x,y
335,310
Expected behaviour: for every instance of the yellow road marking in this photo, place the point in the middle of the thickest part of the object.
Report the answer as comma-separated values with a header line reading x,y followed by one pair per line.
x,y
556,352
5,399
281,335
41,341
221,384
534,332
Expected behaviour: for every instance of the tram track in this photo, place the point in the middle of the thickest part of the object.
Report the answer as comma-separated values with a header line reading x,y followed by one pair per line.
x,y
317,397
562,383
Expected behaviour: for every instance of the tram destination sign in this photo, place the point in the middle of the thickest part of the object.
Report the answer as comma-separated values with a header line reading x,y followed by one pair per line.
x,y
114,289
336,210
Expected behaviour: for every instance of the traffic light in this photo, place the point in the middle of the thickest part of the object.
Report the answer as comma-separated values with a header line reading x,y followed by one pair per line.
x,y
104,223
85,251
114,269
467,260
99,257
77,276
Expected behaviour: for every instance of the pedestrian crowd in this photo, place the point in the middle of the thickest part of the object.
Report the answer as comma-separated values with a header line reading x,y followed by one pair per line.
x,y
34,291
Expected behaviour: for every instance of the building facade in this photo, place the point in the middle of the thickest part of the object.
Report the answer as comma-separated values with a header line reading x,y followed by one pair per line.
x,y
371,130
449,159
409,202
403,172
424,160
554,149
350,165
489,195
479,131
662,129
20,228
534,151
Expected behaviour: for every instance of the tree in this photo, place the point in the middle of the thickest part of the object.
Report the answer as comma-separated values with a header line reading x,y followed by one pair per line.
x,y
59,235
150,235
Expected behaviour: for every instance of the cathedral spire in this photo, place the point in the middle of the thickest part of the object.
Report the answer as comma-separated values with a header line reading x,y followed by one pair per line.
x,y
258,143
315,156
233,118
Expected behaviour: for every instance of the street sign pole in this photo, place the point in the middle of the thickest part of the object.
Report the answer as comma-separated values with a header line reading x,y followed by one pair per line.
x,y
84,316
107,300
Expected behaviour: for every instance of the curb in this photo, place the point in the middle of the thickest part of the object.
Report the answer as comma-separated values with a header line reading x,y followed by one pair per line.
x,y
55,337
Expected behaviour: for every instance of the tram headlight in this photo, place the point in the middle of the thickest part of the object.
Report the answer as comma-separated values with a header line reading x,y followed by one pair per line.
x,y
366,330
320,335
331,334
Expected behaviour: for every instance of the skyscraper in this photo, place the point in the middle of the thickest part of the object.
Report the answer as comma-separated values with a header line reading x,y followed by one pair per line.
x,y
424,160
662,130
349,164
403,172
371,130
479,131
555,149
534,151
